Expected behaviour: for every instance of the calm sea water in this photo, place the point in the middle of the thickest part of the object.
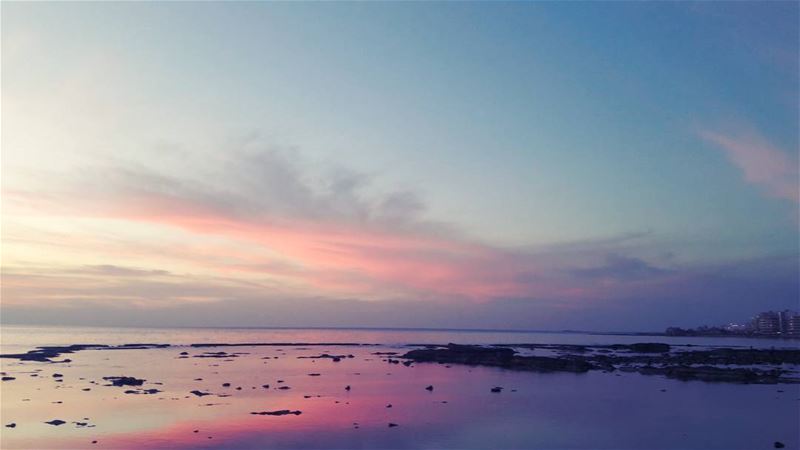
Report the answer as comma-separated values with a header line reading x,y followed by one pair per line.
x,y
535,410
15,338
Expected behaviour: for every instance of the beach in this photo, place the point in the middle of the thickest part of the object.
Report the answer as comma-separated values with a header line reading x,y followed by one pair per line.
x,y
292,393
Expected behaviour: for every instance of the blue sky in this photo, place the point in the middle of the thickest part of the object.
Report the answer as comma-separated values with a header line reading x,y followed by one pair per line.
x,y
667,132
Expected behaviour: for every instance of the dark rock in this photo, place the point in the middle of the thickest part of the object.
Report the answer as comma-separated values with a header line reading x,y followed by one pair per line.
x,y
429,388
392,425
226,384
216,355
497,389
44,354
718,374
650,347
124,381
200,393
282,412
143,391
778,444
57,375
56,422
11,425
389,405
347,388
463,354
498,357
314,374
334,358
8,378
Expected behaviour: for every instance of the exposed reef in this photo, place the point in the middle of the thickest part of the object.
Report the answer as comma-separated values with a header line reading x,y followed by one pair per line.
x,y
644,358
47,353
282,412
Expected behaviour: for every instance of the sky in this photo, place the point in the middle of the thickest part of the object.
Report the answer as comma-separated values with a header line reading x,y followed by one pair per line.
x,y
585,165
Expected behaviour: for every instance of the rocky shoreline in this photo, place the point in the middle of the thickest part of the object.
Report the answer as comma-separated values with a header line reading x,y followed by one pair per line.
x,y
644,358
47,353
685,362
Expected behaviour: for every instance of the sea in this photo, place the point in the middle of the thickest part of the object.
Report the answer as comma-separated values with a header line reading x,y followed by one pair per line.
x,y
196,398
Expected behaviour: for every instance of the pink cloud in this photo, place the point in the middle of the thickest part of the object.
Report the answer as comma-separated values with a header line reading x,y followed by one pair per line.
x,y
329,241
329,257
761,163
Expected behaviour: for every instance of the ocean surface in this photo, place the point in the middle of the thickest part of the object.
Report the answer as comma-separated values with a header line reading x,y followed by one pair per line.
x,y
592,410
14,338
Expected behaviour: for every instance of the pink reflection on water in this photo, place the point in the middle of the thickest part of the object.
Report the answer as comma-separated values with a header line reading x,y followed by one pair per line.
x,y
534,411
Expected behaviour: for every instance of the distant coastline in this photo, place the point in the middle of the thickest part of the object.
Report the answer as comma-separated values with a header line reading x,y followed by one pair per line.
x,y
688,332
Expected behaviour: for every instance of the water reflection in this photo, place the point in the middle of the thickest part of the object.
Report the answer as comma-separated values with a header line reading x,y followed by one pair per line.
x,y
594,410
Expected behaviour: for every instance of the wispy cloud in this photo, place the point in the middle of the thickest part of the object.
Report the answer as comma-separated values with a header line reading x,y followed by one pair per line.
x,y
619,267
254,230
329,234
773,170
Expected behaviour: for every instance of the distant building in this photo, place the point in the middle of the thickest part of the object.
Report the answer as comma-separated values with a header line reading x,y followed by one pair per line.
x,y
737,328
767,323
779,323
793,325
785,317
784,323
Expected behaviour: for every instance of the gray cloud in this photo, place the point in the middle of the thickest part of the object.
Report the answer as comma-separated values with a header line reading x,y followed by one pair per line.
x,y
619,267
263,185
